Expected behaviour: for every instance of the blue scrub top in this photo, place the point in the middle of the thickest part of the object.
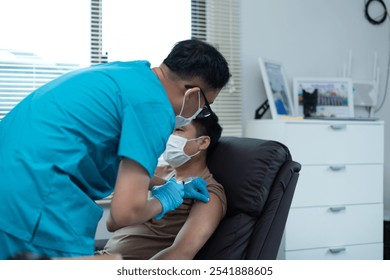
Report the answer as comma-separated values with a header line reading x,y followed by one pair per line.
x,y
60,150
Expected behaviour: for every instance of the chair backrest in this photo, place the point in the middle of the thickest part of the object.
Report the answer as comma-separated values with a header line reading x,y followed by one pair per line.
x,y
259,178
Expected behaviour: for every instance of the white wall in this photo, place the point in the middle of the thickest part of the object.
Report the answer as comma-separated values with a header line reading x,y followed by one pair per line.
x,y
313,38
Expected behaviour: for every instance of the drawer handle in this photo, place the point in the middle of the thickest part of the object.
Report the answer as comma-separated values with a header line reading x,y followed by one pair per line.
x,y
338,126
337,208
337,250
337,167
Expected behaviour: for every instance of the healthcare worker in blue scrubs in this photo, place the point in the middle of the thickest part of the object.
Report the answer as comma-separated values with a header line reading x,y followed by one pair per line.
x,y
94,131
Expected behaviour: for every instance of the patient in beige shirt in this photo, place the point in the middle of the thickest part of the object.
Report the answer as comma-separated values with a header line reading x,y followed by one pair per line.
x,y
181,233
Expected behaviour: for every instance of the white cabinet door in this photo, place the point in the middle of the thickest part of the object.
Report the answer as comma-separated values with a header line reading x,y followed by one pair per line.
x,y
335,143
334,226
354,252
321,185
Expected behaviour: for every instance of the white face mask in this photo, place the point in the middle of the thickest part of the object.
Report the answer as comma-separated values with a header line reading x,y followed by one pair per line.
x,y
174,153
182,121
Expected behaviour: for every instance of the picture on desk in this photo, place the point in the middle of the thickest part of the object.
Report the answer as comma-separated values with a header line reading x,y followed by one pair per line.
x,y
324,97
276,88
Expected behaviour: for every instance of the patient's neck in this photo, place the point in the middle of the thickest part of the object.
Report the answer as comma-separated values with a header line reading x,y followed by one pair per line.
x,y
192,168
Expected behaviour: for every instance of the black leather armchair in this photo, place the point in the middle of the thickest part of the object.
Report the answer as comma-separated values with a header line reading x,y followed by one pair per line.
x,y
259,177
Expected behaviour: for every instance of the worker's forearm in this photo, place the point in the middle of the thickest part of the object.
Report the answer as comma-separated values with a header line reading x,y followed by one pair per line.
x,y
135,215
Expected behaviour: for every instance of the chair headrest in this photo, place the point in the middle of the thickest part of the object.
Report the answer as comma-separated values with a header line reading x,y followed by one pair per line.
x,y
247,167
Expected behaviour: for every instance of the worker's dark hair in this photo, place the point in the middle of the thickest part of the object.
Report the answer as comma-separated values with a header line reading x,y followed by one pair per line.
x,y
195,58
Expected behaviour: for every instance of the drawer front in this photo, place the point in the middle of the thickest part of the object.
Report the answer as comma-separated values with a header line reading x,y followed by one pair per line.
x,y
355,252
323,185
335,143
318,227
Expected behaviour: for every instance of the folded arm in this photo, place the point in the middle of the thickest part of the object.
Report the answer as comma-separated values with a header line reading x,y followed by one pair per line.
x,y
199,226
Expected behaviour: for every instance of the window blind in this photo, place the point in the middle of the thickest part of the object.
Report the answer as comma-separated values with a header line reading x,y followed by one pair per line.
x,y
21,73
218,22
96,33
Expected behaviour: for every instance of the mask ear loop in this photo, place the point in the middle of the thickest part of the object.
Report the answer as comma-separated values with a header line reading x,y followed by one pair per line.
x,y
194,139
197,138
199,101
184,100
199,108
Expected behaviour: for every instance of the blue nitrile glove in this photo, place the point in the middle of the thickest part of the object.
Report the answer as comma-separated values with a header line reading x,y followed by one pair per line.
x,y
170,196
196,189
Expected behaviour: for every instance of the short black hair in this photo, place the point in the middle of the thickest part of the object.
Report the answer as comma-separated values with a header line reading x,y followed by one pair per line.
x,y
195,58
208,126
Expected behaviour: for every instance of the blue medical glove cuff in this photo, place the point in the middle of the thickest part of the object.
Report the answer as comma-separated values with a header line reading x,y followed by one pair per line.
x,y
163,208
170,196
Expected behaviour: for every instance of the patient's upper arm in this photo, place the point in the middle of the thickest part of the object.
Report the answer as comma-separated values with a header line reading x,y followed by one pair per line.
x,y
199,226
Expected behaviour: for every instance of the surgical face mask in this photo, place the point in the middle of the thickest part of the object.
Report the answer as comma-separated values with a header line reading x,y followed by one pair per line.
x,y
174,153
182,121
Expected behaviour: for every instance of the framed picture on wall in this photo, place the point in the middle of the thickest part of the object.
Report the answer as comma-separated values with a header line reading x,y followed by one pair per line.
x,y
333,96
276,88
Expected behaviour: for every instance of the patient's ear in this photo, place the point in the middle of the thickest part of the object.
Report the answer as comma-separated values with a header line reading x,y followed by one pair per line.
x,y
205,142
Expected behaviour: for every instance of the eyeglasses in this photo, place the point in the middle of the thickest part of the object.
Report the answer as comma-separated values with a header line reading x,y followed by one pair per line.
x,y
206,111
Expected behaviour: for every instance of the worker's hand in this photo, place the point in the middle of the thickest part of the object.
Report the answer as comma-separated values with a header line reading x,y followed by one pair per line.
x,y
170,196
196,189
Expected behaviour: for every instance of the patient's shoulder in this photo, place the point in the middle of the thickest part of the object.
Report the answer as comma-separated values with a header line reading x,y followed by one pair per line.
x,y
213,186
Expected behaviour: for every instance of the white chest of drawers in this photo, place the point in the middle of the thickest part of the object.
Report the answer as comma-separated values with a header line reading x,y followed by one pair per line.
x,y
337,209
